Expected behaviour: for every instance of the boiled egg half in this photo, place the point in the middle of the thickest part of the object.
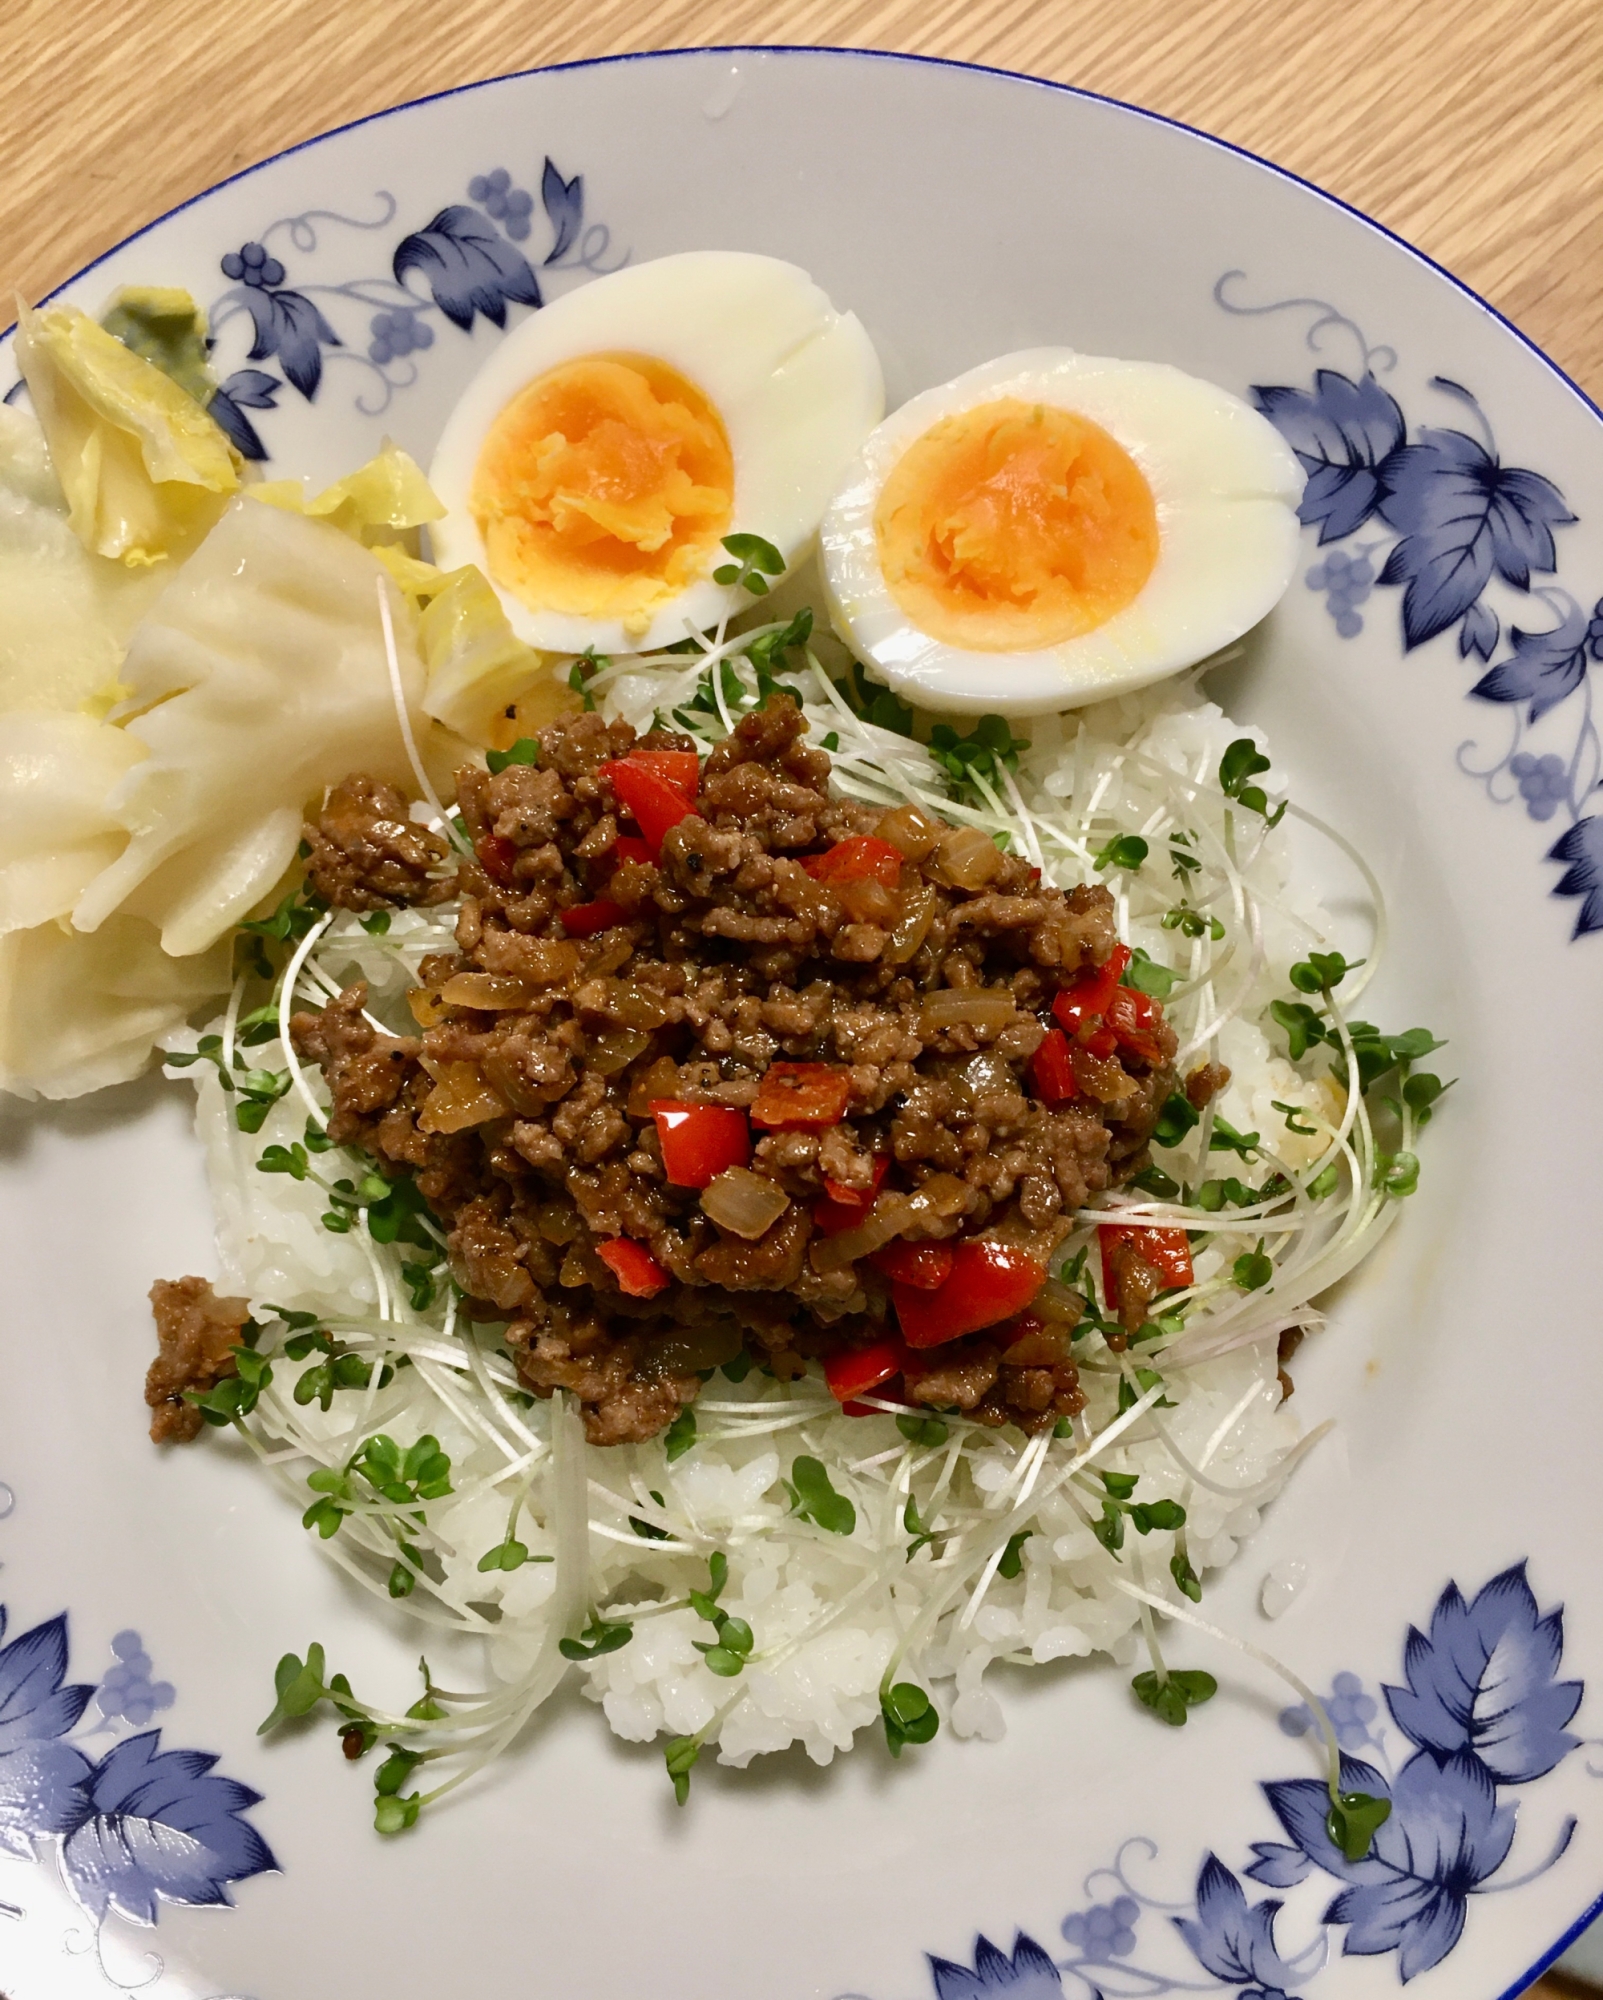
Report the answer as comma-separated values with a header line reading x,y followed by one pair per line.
x,y
614,438
1053,528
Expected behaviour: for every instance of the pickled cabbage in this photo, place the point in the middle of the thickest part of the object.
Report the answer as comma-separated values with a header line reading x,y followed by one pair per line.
x,y
477,667
65,614
144,469
374,504
258,680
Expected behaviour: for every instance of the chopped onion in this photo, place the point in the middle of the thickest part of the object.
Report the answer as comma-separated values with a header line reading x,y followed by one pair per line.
x,y
658,1079
460,1098
889,1216
522,1093
425,1006
1101,1077
547,960
490,992
745,1203
615,949
966,858
557,1221
609,1053
909,831
619,1000
941,1197
912,926
1039,1347
868,902
966,1006
1055,1301
989,1071
691,1350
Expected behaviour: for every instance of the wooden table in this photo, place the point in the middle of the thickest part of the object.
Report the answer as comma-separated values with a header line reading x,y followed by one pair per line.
x,y
1472,127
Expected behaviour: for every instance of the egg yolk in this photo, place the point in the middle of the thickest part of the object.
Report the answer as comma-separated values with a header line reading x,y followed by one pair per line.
x,y
1015,525
603,488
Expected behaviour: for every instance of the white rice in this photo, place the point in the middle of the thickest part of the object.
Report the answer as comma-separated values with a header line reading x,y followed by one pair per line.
x,y
830,1613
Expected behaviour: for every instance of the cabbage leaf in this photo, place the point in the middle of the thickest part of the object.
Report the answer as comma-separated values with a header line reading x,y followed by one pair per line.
x,y
78,1013
416,579
56,830
258,680
65,614
145,471
373,504
478,668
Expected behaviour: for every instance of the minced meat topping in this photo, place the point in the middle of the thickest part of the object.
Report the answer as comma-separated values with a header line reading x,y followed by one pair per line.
x,y
365,852
723,1064
196,1332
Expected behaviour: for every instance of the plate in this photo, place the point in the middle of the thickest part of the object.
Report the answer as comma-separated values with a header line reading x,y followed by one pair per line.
x,y
1428,683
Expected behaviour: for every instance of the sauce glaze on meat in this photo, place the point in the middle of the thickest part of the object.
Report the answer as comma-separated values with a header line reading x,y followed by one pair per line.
x,y
527,1123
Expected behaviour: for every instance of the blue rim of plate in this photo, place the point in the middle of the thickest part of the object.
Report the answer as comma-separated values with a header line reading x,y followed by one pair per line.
x,y
1594,1910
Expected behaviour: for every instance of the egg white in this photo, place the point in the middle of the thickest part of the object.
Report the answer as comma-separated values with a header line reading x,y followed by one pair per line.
x,y
1226,487
796,383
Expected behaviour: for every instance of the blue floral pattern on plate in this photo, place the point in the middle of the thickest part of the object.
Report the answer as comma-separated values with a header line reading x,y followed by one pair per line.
x,y
1482,1708
135,1827
1452,519
467,256
127,1693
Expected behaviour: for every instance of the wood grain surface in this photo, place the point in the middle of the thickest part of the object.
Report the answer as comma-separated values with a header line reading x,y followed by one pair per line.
x,y
1474,128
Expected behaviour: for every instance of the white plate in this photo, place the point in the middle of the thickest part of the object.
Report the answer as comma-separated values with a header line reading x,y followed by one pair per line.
x,y
962,214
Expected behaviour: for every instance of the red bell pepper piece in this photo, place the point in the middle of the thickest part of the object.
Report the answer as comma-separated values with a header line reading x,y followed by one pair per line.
x,y
638,1273
656,805
862,858
1102,1042
700,1140
1052,1069
853,1371
628,847
861,1199
797,1093
924,1266
1134,1019
1168,1251
679,768
1091,992
842,1207
585,919
496,856
990,1281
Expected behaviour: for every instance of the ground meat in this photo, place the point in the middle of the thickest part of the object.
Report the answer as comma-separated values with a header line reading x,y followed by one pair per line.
x,y
1204,1083
620,1405
529,1126
194,1332
958,1374
975,1376
368,854
1135,1284
366,1069
773,1263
